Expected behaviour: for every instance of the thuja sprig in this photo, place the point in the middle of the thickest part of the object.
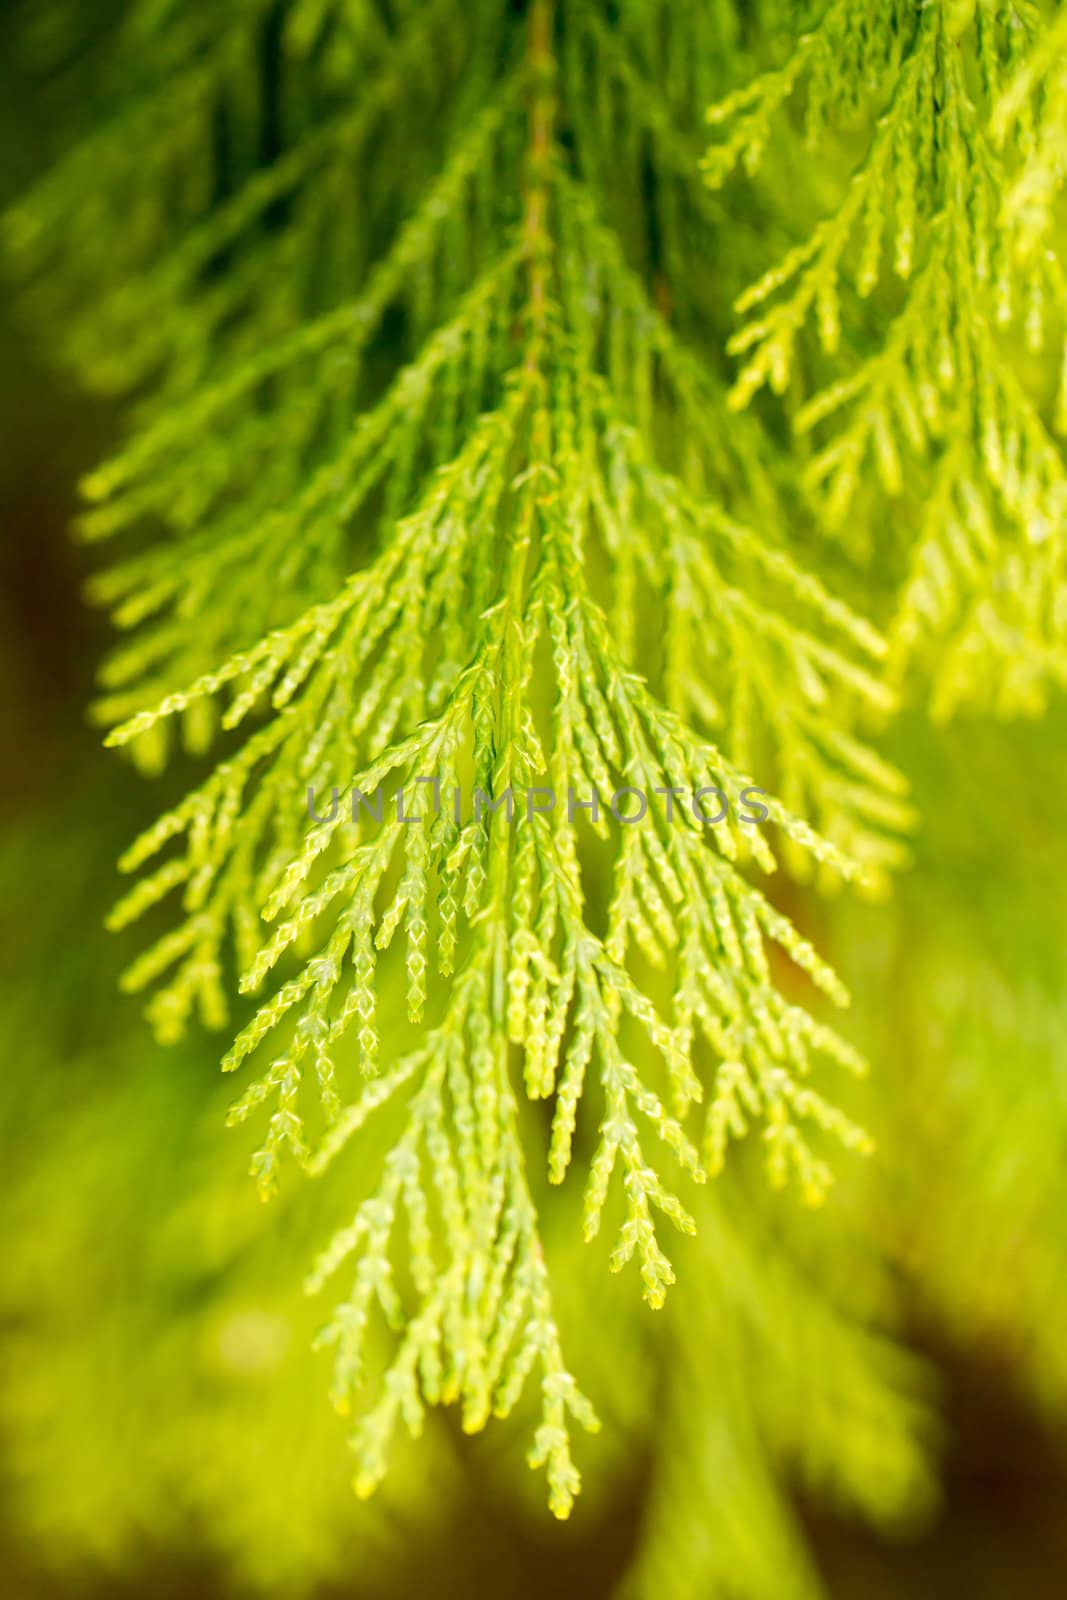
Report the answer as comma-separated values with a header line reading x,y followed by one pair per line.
x,y
954,189
427,506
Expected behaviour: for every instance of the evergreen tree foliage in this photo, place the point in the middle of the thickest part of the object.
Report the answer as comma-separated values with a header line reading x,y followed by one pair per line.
x,y
445,337
158,1383
911,402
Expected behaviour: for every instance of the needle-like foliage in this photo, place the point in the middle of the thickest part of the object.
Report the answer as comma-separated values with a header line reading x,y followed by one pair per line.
x,y
911,393
449,533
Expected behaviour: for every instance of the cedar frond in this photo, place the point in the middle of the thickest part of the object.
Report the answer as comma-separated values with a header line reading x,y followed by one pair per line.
x,y
915,389
434,486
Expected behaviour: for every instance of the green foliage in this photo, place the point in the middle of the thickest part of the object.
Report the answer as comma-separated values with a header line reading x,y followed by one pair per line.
x,y
910,396
439,559
440,467
158,1392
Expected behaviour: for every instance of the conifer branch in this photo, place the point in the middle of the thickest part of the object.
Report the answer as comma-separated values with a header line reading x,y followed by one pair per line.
x,y
400,565
930,383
